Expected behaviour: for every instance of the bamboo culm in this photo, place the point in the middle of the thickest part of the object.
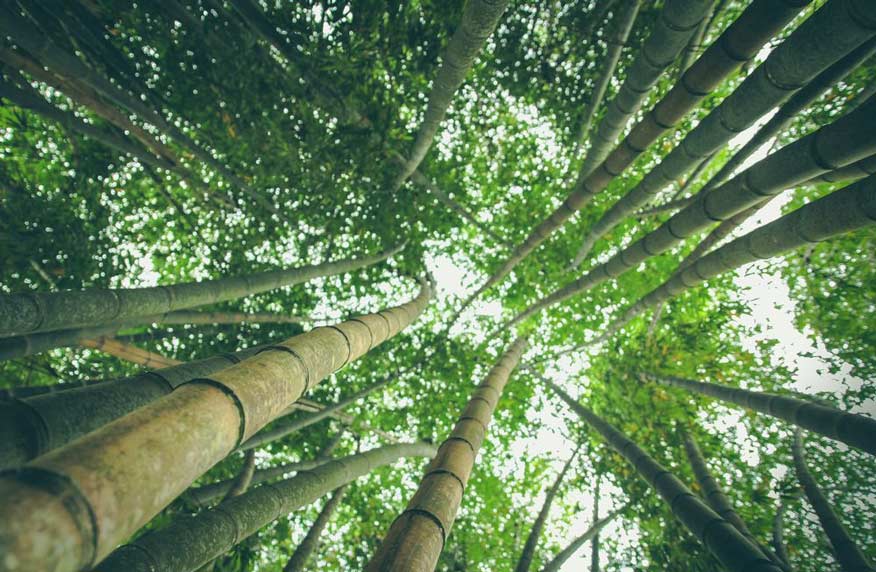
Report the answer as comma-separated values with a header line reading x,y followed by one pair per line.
x,y
129,352
857,431
735,552
740,42
416,538
528,552
849,556
90,498
32,426
624,20
189,542
846,210
673,30
844,142
827,36
479,19
36,312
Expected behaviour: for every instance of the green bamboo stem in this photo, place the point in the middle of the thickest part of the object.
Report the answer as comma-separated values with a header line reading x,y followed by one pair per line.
x,y
479,19
416,538
844,142
88,498
792,65
189,542
857,431
673,30
624,20
35,425
735,552
36,312
849,556
740,42
528,552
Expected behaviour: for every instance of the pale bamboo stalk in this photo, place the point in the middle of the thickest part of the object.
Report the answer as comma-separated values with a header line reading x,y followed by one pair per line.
x,y
88,498
129,352
416,538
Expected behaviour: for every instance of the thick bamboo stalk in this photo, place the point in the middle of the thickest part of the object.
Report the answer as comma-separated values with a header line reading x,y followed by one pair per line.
x,y
591,533
198,317
29,37
715,497
857,431
624,18
792,65
33,426
844,142
308,546
673,30
88,497
35,312
528,552
129,352
849,556
416,538
735,552
269,435
842,211
479,19
740,42
189,542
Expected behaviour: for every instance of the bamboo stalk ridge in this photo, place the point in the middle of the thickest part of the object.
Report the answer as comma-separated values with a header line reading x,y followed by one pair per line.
x,y
846,210
739,43
849,556
845,142
416,538
189,542
36,312
479,20
88,498
733,550
857,431
793,64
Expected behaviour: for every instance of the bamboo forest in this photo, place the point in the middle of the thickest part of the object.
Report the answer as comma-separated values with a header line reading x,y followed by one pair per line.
x,y
455,285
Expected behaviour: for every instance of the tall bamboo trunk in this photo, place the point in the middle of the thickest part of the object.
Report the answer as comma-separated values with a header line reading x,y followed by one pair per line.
x,y
845,142
129,352
196,317
715,497
89,498
847,553
300,423
36,312
416,538
735,552
842,211
592,534
188,542
528,552
305,550
624,20
741,41
792,65
855,430
479,19
779,534
32,426
673,30
594,543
